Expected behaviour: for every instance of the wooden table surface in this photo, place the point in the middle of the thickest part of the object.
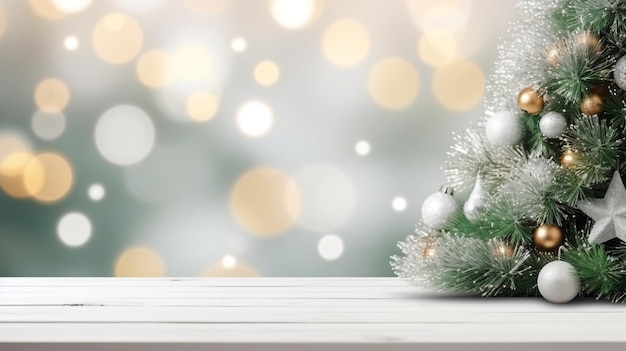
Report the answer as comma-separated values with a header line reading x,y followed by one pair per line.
x,y
289,314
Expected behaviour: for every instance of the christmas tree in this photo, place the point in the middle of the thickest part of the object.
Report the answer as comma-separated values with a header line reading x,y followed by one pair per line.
x,y
546,210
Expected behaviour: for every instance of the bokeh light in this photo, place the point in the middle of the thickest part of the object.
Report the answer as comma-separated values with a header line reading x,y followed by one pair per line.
x,y
74,229
399,204
255,119
48,126
437,48
441,16
362,148
393,83
328,197
229,266
459,85
13,142
330,247
139,6
124,135
155,68
202,106
96,192
292,14
265,201
192,63
48,177
239,44
71,6
71,43
117,38
46,9
266,73
12,171
139,262
346,42
52,95
206,7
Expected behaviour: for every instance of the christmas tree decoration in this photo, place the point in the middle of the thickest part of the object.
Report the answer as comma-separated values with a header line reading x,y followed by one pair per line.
x,y
609,213
552,124
537,178
619,73
504,128
558,282
530,101
569,158
592,104
548,237
438,208
475,205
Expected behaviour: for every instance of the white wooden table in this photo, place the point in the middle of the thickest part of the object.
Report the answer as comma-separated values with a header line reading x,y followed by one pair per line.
x,y
289,314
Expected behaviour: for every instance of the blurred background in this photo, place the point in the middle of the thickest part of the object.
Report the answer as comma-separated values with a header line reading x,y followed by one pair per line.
x,y
229,137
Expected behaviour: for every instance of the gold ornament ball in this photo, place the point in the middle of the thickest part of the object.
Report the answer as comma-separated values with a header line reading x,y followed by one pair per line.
x,y
530,101
569,159
548,237
592,104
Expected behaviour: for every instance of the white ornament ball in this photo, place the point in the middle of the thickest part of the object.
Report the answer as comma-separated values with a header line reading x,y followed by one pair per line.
x,y
437,210
620,73
558,282
552,124
504,128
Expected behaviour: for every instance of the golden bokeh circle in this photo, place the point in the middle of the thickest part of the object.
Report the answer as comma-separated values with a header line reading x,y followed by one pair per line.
x,y
12,170
239,269
48,177
459,85
117,38
52,95
393,83
265,201
46,9
155,68
437,48
266,73
202,106
139,262
206,7
192,63
345,42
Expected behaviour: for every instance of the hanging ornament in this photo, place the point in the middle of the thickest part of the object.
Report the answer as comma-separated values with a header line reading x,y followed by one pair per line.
x,y
609,213
592,104
619,74
569,159
530,101
504,128
552,124
548,237
438,208
558,282
475,205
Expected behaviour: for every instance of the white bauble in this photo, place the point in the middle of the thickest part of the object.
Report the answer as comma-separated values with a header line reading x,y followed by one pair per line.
x,y
552,124
504,128
437,210
558,282
620,73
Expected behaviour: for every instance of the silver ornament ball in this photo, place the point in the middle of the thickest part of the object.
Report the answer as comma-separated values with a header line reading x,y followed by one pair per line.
x,y
619,74
437,210
552,124
504,128
558,282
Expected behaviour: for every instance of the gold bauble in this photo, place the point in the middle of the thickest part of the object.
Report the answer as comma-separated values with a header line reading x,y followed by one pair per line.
x,y
592,104
530,101
569,159
548,237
